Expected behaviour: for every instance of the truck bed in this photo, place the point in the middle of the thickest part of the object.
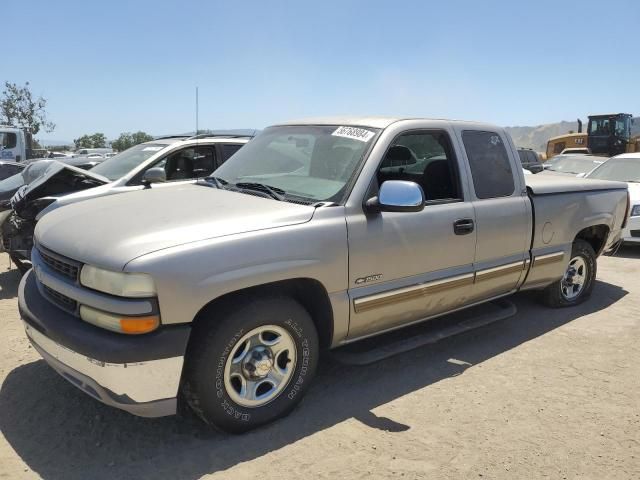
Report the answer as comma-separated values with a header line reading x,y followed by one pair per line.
x,y
549,184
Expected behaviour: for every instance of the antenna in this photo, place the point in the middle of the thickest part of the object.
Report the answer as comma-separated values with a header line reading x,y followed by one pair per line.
x,y
196,110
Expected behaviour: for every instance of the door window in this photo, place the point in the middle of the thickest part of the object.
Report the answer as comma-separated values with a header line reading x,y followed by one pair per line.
x,y
489,162
425,158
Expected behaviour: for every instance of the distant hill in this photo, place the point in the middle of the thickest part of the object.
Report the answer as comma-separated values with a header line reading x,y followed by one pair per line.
x,y
537,137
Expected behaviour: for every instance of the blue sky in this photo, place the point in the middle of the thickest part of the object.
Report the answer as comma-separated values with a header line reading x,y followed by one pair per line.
x,y
133,65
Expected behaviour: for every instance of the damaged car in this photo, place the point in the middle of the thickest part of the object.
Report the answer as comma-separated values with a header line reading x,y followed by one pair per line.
x,y
154,164
19,216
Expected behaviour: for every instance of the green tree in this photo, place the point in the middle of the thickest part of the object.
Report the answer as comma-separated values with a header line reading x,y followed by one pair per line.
x,y
18,107
97,140
128,140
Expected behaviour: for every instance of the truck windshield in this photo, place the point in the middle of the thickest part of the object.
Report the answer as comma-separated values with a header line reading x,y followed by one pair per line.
x,y
119,165
574,164
620,169
314,163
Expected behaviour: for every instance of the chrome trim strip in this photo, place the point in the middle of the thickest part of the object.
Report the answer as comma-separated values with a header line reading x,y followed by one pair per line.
x,y
408,293
547,259
490,273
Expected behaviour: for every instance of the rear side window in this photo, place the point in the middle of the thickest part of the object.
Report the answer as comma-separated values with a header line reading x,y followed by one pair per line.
x,y
229,149
489,162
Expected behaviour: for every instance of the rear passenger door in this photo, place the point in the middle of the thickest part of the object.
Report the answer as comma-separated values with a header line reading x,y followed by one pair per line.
x,y
502,211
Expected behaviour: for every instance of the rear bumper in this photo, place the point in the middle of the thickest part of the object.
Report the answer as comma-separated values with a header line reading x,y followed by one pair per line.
x,y
139,374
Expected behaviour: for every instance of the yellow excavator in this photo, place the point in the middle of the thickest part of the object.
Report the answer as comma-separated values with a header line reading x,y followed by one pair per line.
x,y
607,135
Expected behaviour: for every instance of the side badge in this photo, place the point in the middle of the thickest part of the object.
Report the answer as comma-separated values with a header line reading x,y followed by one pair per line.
x,y
369,278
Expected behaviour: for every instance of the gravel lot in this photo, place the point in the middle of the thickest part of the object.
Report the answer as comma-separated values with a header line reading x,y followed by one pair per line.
x,y
547,393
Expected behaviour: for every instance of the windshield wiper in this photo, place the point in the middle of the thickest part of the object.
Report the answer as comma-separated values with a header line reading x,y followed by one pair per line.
x,y
216,182
273,192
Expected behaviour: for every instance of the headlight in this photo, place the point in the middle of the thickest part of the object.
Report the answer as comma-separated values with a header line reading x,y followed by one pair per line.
x,y
135,285
635,211
118,323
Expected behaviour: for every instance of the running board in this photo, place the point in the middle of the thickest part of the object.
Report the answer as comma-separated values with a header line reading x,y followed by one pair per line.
x,y
384,346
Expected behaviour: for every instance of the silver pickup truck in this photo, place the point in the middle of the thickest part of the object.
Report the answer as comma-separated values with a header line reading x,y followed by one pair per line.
x,y
314,235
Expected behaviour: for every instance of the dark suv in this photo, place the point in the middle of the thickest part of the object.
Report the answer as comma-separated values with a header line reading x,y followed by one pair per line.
x,y
530,160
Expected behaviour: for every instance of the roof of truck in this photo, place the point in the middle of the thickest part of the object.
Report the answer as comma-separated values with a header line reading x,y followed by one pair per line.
x,y
367,121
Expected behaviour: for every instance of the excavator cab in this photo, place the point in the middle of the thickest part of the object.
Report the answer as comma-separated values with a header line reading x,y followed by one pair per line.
x,y
609,134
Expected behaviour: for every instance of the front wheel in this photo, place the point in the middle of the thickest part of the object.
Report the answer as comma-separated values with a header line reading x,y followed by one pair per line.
x,y
576,284
251,364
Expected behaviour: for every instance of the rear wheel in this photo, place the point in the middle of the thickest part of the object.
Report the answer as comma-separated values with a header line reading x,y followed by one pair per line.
x,y
576,284
253,365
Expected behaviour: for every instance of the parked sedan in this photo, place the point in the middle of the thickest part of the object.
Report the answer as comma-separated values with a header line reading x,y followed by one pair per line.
x,y
572,165
625,168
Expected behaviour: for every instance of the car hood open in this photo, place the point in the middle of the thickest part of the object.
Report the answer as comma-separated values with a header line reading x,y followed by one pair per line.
x,y
113,230
58,179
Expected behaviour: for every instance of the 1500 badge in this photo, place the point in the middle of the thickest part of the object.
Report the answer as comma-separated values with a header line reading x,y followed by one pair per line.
x,y
369,278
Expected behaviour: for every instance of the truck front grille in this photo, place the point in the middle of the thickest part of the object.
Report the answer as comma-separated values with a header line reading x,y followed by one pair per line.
x,y
61,300
60,265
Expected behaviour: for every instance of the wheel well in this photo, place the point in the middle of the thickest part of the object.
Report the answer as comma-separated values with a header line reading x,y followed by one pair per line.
x,y
309,292
596,236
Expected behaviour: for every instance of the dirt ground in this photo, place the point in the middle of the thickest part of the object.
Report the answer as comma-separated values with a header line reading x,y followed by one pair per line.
x,y
544,394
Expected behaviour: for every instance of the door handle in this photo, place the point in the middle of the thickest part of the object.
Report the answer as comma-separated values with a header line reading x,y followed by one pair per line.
x,y
463,226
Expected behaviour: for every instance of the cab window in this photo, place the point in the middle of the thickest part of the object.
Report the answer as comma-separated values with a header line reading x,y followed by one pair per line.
x,y
489,162
8,140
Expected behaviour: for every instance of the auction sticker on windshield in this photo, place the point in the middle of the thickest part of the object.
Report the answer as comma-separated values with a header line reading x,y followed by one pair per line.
x,y
355,133
152,149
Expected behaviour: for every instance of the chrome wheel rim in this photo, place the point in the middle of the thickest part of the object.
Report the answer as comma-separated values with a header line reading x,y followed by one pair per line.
x,y
574,278
260,365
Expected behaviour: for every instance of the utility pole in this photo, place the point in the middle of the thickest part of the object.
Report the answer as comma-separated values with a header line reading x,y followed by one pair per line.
x,y
196,110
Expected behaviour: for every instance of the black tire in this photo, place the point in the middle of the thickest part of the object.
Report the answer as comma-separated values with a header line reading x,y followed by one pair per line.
x,y
22,265
215,338
553,296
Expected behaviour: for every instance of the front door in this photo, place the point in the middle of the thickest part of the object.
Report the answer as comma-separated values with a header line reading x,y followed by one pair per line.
x,y
407,266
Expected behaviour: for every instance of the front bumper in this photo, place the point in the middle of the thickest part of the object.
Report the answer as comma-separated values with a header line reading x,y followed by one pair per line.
x,y
136,373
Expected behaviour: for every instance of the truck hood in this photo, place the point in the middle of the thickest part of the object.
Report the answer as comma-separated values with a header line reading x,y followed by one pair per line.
x,y
113,230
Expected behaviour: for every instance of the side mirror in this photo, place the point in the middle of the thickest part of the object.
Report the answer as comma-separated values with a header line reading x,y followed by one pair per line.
x,y
397,196
154,175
